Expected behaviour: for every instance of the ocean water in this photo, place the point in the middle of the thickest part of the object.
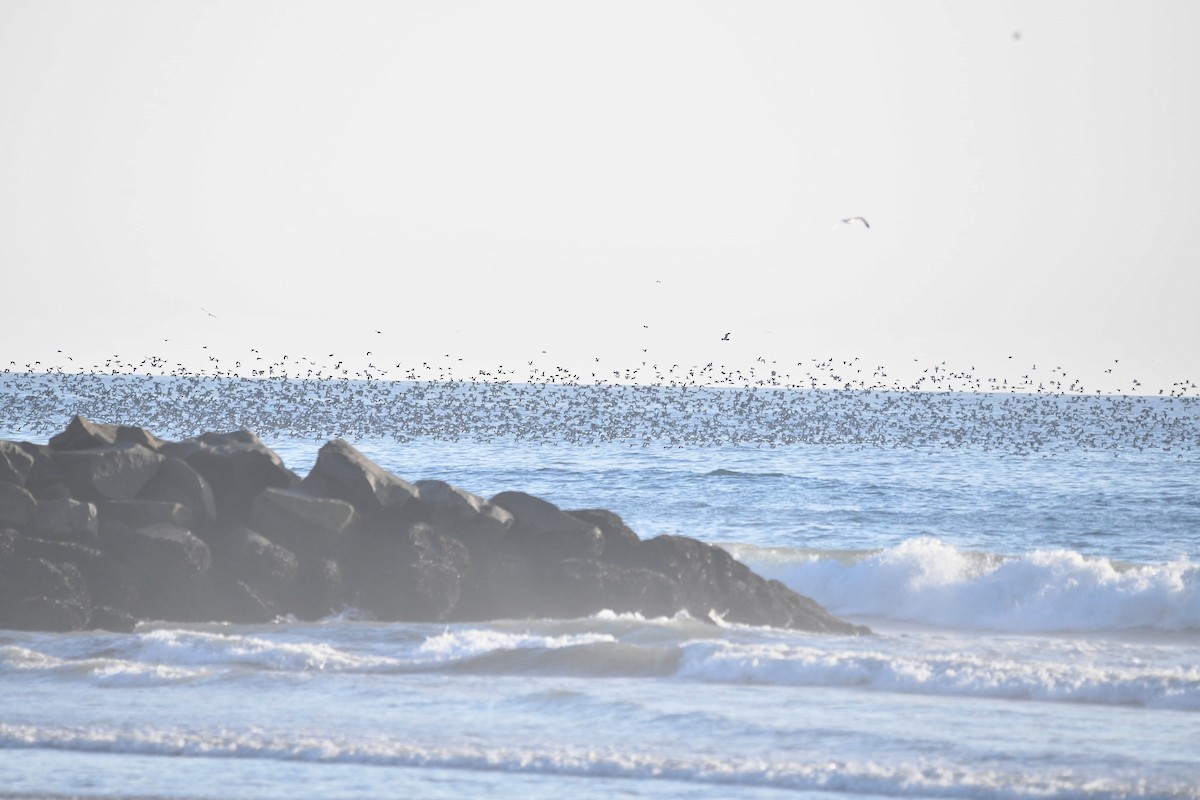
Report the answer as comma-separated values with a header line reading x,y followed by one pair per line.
x,y
1030,567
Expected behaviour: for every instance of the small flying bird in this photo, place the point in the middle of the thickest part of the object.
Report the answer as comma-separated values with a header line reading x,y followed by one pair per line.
x,y
857,221
725,338
206,311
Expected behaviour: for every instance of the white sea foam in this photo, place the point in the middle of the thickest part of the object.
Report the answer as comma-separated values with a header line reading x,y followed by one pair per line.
x,y
853,776
1069,673
928,581
112,672
460,644
188,647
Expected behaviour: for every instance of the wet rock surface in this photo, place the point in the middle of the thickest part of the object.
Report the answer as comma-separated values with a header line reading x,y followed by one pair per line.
x,y
109,525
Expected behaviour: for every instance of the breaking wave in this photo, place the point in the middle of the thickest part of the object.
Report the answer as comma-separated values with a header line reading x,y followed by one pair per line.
x,y
930,582
1051,670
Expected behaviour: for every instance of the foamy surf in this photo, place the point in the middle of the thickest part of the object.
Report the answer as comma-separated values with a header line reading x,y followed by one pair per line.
x,y
930,582
100,671
850,776
680,651
1003,670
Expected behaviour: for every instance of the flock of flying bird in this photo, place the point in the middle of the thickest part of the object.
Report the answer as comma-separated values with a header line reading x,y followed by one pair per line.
x,y
829,402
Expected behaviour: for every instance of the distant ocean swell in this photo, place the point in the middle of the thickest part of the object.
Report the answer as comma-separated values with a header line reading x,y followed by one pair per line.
x,y
854,777
930,582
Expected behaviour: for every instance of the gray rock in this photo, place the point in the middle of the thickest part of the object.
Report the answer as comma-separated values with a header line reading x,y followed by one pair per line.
x,y
462,514
15,463
171,568
582,587
36,594
108,583
237,602
619,539
317,591
541,530
511,587
140,513
311,527
253,559
503,585
176,482
413,574
346,474
112,472
17,506
266,565
42,473
715,584
158,554
66,518
83,434
111,619
8,542
237,466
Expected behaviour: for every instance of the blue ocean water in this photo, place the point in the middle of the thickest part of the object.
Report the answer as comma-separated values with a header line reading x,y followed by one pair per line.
x,y
1029,566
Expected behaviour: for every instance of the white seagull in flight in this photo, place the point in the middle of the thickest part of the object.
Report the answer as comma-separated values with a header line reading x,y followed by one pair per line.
x,y
857,221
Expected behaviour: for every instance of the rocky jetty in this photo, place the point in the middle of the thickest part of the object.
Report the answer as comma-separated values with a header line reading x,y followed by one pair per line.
x,y
108,525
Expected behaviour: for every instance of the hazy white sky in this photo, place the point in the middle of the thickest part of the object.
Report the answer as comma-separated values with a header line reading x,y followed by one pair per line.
x,y
494,179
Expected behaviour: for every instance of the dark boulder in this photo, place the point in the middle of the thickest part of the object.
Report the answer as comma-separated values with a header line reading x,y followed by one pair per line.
x,y
584,587
158,554
412,573
50,491
36,594
311,527
238,466
317,591
17,506
112,472
176,482
170,565
714,584
111,619
250,557
83,434
266,565
512,587
140,513
66,518
227,599
133,435
108,583
503,585
344,473
8,542
619,540
42,479
471,519
15,463
542,530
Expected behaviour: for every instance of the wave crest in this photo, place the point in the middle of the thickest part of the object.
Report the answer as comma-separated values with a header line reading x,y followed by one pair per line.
x,y
930,582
